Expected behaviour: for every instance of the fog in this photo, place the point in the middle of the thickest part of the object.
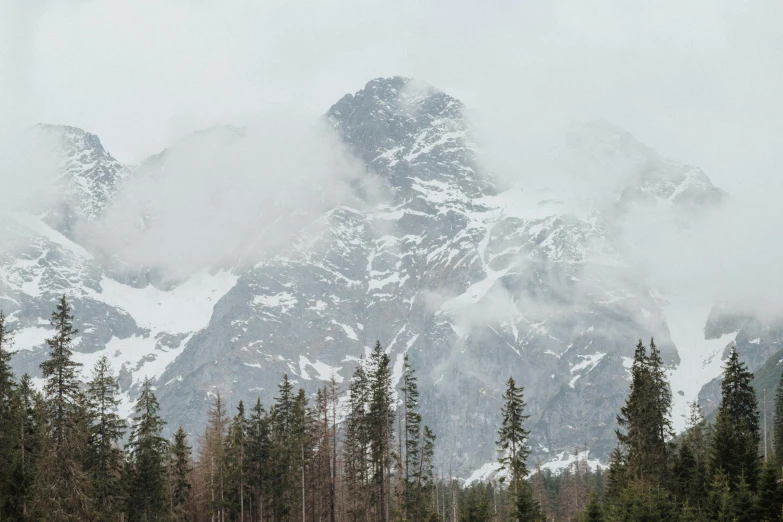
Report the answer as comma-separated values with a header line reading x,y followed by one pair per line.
x,y
698,81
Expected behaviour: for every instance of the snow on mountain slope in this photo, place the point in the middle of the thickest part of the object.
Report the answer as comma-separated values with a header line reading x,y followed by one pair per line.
x,y
474,281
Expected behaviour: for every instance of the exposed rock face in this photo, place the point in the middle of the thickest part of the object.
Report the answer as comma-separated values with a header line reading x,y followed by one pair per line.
x,y
431,256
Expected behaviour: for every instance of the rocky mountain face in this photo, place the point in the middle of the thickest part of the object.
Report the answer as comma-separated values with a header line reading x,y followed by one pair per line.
x,y
431,255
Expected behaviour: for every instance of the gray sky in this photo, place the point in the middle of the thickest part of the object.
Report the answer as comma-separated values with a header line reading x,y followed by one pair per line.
x,y
700,81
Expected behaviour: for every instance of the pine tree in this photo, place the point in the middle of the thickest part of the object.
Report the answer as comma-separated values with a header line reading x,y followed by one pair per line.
x,y
475,505
181,468
736,439
8,426
31,418
235,465
62,488
258,454
381,420
777,426
60,372
645,417
283,453
512,441
356,445
104,457
148,452
719,505
744,503
593,512
770,498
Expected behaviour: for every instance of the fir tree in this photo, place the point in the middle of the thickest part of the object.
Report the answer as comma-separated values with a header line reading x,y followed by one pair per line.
x,y
235,464
283,452
381,420
777,426
593,512
258,454
744,503
770,498
356,444
475,505
62,488
30,420
104,457
736,439
719,505
645,417
512,441
148,452
181,468
7,418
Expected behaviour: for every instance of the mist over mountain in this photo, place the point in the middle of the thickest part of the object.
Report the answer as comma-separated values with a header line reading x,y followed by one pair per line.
x,y
239,254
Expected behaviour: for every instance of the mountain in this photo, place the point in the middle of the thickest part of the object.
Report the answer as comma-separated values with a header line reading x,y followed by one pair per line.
x,y
432,254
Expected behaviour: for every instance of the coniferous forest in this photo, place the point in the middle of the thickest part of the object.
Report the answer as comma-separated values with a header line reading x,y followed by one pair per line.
x,y
66,454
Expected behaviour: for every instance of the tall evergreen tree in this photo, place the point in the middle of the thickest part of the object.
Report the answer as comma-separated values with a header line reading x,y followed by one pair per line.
x,y
148,452
62,488
236,442
30,421
381,422
770,498
645,418
356,444
736,438
7,419
777,427
61,374
180,482
104,457
283,453
258,455
512,441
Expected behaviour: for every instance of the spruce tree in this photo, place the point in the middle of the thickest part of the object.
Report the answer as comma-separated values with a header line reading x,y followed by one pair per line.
x,y
770,498
8,425
744,502
104,457
381,421
283,453
30,420
645,418
62,488
258,455
777,426
593,512
181,468
148,452
736,438
356,444
236,442
512,436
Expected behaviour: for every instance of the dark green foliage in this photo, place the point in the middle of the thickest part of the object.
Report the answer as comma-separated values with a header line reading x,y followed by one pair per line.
x,y
594,511
736,439
475,505
180,470
62,488
777,426
8,425
104,457
257,455
525,508
645,419
512,436
640,501
147,453
770,498
744,503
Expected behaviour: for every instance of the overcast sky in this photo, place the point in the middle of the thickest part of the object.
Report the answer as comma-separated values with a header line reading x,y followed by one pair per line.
x,y
700,81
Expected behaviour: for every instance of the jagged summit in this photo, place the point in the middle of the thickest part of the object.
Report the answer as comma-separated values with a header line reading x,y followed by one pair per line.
x,y
473,283
393,124
87,176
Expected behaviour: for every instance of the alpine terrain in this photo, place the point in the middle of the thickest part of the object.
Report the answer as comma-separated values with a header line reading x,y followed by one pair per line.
x,y
476,279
